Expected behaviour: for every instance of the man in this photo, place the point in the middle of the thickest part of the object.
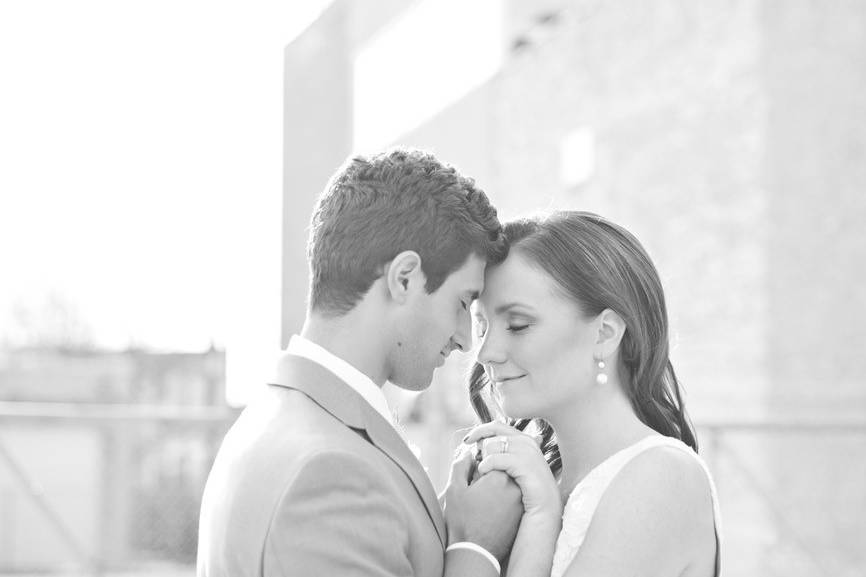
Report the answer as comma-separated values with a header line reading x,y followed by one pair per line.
x,y
314,478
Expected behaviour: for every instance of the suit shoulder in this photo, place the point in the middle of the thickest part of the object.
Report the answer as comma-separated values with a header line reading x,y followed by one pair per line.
x,y
340,466
290,415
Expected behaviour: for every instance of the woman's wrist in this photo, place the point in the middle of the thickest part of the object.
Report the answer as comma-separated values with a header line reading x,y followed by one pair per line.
x,y
548,521
545,507
532,553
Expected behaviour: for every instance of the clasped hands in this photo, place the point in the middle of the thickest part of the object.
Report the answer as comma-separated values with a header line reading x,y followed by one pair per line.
x,y
486,501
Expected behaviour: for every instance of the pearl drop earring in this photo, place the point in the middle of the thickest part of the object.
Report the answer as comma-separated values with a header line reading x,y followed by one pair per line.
x,y
601,377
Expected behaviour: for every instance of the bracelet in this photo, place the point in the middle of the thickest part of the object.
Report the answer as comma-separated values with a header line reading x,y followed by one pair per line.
x,y
477,549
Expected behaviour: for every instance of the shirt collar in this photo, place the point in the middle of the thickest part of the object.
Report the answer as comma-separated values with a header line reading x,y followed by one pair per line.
x,y
361,383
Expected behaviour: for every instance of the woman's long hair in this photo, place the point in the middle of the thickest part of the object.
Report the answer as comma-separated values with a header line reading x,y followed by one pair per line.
x,y
600,265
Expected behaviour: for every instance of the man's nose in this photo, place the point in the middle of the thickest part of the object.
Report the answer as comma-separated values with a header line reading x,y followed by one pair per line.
x,y
462,338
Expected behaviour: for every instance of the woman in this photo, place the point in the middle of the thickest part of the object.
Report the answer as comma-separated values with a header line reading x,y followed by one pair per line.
x,y
575,335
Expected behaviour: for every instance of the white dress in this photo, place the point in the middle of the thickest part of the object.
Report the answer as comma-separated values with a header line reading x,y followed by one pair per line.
x,y
586,495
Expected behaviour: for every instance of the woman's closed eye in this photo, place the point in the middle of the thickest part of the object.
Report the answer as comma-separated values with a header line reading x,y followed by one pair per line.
x,y
517,328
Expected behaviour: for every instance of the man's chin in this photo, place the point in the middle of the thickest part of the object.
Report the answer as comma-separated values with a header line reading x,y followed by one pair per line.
x,y
415,383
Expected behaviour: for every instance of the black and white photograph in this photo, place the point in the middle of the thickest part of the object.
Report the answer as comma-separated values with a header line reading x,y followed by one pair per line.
x,y
431,288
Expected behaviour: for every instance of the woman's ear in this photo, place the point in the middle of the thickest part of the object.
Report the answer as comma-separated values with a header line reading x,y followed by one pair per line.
x,y
404,276
611,329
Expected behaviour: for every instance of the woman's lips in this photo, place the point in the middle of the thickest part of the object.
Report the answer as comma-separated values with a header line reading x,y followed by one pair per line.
x,y
502,381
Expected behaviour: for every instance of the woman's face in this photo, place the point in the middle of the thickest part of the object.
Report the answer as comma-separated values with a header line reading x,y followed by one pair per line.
x,y
537,347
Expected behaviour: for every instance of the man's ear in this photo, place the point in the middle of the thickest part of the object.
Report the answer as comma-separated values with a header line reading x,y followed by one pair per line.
x,y
404,276
611,329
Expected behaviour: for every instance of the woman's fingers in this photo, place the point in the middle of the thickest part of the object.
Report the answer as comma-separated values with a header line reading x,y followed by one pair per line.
x,y
521,447
531,473
522,466
491,445
497,462
506,444
489,430
492,438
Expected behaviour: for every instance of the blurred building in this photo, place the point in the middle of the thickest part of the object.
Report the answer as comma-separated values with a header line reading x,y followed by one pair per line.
x,y
105,454
730,137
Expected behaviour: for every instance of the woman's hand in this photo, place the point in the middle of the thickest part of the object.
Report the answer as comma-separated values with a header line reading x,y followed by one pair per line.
x,y
516,453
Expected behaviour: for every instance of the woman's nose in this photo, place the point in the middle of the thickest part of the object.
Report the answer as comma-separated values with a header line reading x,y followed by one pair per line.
x,y
491,351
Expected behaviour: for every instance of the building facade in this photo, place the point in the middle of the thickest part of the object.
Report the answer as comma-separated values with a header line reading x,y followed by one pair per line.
x,y
730,137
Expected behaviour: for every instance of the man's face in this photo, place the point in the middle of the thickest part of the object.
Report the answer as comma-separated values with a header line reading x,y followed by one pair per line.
x,y
435,325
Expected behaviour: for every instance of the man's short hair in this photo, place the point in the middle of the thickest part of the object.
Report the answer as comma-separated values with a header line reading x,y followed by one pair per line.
x,y
376,207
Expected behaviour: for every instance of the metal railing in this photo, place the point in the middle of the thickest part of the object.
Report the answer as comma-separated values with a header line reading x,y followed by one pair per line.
x,y
793,494
147,465
151,463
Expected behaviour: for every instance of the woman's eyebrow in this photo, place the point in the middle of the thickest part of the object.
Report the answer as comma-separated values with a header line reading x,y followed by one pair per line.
x,y
508,306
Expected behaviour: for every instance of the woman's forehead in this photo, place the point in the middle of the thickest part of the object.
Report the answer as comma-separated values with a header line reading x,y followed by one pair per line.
x,y
517,280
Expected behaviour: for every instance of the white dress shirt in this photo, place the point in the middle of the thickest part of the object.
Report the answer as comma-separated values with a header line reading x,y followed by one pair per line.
x,y
358,381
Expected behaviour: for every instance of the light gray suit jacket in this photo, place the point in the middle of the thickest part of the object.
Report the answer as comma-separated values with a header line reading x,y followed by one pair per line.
x,y
311,480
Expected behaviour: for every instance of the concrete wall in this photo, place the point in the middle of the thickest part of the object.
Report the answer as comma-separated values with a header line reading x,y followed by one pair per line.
x,y
317,128
815,78
317,138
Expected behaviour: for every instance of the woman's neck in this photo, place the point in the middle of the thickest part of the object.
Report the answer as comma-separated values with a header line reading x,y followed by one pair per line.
x,y
593,431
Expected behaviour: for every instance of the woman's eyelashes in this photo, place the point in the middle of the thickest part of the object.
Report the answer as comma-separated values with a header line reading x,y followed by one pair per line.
x,y
517,324
514,328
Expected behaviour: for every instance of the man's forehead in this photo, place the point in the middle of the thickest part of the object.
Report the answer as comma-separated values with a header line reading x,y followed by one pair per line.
x,y
471,275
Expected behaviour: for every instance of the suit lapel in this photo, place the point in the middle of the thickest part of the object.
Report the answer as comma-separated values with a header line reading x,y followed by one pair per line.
x,y
339,399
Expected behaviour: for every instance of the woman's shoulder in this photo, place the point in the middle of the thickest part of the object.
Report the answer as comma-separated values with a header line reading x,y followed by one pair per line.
x,y
668,475
660,504
664,470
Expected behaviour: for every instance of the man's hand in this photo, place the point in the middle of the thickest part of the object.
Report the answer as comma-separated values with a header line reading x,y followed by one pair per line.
x,y
519,455
486,511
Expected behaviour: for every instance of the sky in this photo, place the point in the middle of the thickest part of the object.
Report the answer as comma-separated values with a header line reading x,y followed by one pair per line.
x,y
140,172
